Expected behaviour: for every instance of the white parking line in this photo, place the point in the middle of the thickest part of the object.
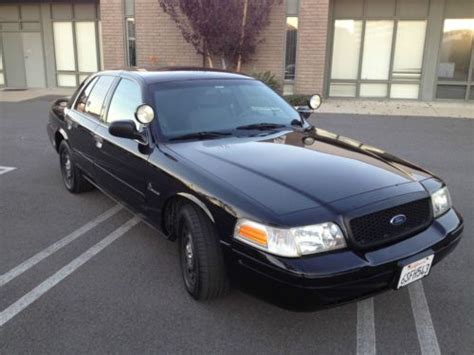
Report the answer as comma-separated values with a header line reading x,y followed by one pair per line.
x,y
35,259
366,327
6,169
424,325
64,272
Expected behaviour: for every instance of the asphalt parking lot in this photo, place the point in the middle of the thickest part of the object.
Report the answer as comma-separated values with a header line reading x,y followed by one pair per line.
x,y
73,280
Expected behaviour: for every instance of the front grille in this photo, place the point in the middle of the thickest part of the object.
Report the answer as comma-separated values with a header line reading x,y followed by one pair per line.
x,y
375,229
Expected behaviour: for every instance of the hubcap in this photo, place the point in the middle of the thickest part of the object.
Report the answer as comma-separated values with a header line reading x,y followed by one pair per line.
x,y
189,253
66,165
187,259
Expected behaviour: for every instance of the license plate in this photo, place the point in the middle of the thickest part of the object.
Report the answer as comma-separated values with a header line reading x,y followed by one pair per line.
x,y
415,271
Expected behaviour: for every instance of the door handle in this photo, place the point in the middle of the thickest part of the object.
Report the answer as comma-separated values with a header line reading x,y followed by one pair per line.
x,y
98,141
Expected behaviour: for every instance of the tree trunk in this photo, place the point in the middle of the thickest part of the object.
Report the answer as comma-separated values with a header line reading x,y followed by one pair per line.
x,y
209,59
242,35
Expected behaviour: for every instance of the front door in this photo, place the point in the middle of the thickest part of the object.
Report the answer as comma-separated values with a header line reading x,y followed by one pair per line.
x,y
24,60
121,167
13,60
33,59
83,119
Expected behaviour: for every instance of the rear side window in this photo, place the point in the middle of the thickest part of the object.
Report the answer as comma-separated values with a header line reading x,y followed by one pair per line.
x,y
97,96
127,97
82,100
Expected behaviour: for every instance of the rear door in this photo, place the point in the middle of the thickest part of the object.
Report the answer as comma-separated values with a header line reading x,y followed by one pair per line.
x,y
122,167
83,119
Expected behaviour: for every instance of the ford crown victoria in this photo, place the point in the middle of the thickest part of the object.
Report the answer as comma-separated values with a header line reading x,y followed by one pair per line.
x,y
250,189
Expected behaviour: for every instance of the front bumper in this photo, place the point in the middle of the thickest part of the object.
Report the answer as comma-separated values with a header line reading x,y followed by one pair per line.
x,y
337,277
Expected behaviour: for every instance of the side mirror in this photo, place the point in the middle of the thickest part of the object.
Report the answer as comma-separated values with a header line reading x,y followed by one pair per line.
x,y
144,114
126,129
314,103
59,106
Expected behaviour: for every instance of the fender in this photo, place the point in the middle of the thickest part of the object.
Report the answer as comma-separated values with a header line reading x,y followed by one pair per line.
x,y
199,203
63,133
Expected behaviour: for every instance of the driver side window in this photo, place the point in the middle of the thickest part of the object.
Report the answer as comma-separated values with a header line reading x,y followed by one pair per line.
x,y
127,97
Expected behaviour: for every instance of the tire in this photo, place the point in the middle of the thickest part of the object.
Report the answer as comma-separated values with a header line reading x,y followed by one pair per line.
x,y
72,176
200,254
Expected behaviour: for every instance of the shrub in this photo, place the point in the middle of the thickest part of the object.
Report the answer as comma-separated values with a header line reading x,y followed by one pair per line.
x,y
269,79
297,100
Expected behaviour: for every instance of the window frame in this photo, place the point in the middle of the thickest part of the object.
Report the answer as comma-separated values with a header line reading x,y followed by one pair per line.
x,y
129,16
291,82
364,17
468,84
73,19
129,39
2,66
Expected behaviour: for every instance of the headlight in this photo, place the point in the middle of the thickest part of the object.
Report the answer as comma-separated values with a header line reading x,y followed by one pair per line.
x,y
441,201
291,242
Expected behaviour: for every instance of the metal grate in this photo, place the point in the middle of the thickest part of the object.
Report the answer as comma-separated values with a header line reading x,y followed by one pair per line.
x,y
375,229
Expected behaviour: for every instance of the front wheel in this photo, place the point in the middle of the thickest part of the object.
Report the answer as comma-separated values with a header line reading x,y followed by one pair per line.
x,y
72,176
201,259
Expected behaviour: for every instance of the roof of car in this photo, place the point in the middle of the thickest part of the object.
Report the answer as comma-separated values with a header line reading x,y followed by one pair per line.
x,y
176,74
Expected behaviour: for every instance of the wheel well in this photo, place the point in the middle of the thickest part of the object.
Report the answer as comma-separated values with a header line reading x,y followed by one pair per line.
x,y
58,138
170,211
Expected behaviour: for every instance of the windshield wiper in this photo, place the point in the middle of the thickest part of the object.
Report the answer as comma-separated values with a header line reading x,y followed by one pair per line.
x,y
262,126
201,135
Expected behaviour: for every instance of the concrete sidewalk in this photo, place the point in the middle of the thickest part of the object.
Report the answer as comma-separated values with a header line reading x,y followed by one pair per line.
x,y
31,94
399,108
353,107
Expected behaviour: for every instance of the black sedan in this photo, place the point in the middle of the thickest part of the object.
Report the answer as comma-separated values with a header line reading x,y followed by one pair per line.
x,y
249,189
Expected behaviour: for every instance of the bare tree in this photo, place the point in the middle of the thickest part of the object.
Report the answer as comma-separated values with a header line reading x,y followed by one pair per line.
x,y
225,29
242,34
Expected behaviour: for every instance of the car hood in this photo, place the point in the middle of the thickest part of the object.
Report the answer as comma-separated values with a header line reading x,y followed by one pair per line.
x,y
292,171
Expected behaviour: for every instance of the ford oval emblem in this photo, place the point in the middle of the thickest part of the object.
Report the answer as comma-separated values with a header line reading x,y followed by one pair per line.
x,y
398,220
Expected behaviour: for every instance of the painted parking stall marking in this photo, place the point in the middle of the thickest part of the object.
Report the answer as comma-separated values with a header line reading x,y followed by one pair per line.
x,y
35,259
64,272
366,343
6,169
366,332
424,325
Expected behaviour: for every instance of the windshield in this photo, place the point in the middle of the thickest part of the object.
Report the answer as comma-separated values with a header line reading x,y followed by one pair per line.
x,y
195,106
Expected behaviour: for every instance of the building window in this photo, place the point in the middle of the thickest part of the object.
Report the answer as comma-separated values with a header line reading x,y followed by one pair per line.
x,y
76,42
292,8
376,54
2,76
75,48
131,49
455,68
291,37
130,33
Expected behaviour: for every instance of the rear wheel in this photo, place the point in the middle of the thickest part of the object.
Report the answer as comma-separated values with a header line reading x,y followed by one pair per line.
x,y
72,176
201,259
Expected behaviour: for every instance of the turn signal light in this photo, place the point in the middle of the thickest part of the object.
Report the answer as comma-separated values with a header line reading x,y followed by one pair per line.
x,y
253,234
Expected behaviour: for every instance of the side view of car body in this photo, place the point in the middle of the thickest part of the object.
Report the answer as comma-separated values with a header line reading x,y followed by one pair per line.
x,y
249,189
